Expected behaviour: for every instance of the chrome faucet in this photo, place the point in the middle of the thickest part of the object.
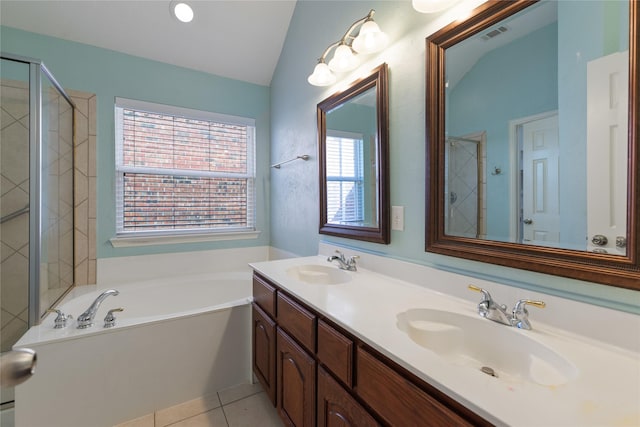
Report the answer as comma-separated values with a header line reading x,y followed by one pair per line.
x,y
85,320
343,263
519,316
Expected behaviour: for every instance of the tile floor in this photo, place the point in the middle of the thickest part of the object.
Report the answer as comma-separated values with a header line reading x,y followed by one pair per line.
x,y
241,406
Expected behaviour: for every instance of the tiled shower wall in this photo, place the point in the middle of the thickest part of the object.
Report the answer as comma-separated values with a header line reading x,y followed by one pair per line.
x,y
14,126
14,271
85,187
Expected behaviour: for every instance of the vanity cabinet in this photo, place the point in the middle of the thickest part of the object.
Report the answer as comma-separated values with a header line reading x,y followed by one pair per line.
x,y
327,377
264,335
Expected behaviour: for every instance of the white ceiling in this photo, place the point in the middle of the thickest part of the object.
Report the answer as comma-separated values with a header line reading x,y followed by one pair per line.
x,y
239,39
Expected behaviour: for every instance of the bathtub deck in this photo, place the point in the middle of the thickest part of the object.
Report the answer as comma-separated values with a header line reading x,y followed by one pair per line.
x,y
242,406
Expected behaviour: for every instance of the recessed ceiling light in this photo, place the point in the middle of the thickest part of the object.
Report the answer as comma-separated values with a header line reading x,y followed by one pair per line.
x,y
182,11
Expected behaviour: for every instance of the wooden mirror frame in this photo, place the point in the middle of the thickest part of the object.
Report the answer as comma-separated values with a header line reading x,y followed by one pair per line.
x,y
615,270
380,234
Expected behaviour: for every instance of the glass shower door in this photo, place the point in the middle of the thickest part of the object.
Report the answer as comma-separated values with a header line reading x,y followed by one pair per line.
x,y
14,206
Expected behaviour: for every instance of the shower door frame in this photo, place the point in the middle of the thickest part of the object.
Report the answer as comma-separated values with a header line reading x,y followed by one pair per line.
x,y
36,71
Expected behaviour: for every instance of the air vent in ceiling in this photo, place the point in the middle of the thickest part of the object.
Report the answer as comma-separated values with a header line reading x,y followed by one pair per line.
x,y
495,32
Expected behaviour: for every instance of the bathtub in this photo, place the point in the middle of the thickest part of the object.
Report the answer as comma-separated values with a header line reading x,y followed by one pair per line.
x,y
176,340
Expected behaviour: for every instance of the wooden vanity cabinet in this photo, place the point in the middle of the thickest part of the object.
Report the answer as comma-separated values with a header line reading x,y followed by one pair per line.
x,y
296,383
337,408
264,351
324,376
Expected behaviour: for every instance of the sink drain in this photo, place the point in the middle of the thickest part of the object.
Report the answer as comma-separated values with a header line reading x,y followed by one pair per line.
x,y
489,371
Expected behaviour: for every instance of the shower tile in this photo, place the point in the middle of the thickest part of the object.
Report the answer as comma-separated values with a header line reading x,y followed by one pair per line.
x,y
82,217
187,410
6,251
15,100
5,118
5,318
82,105
81,273
15,152
81,187
92,115
81,158
92,197
13,201
15,232
255,410
81,249
15,282
239,392
92,272
11,333
213,418
81,127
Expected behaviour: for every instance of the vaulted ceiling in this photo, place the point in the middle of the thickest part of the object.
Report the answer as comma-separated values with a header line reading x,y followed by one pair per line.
x,y
239,39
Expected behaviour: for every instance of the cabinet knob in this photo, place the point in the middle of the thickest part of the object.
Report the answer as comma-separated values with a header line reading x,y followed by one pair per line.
x,y
599,240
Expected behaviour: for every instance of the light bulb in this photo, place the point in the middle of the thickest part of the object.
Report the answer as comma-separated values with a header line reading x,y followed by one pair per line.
x,y
343,59
322,75
183,12
370,38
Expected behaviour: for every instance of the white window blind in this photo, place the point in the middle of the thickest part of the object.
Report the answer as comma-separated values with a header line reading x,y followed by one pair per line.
x,y
182,171
345,179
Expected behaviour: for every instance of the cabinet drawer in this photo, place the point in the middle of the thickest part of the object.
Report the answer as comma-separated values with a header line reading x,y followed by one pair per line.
x,y
264,295
398,401
297,321
335,351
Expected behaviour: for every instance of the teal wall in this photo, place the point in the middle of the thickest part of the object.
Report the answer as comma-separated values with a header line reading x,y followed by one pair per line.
x,y
110,74
527,72
294,191
286,122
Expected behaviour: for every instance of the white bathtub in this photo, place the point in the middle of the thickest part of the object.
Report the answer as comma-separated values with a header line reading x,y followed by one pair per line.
x,y
176,340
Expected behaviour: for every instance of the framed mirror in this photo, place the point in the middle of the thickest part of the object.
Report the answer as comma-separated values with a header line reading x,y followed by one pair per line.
x,y
532,139
353,147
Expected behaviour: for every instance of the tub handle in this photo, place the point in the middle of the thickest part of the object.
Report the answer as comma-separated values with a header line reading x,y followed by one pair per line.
x,y
61,320
110,319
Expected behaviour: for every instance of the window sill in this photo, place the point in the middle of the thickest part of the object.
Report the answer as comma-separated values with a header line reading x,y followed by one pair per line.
x,y
126,242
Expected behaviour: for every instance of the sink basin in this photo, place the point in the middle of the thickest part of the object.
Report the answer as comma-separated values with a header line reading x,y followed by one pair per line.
x,y
318,274
499,350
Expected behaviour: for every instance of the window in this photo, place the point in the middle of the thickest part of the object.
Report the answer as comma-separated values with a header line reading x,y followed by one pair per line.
x,y
345,178
182,171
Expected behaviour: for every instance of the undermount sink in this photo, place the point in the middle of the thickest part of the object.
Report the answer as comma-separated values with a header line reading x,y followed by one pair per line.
x,y
318,274
494,349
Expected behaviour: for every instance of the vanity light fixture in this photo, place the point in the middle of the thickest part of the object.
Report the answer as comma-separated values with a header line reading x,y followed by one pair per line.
x,y
370,39
432,6
182,11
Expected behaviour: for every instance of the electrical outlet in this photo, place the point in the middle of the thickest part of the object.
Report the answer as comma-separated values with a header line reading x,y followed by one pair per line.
x,y
397,218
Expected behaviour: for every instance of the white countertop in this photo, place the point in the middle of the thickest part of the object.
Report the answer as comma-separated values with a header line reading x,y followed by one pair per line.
x,y
605,391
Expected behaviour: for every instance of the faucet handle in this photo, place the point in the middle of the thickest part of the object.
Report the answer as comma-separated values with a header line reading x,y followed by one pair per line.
x,y
61,319
520,305
110,319
520,315
486,296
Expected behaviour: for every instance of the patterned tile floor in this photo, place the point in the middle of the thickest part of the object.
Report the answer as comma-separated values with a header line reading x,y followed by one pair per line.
x,y
242,406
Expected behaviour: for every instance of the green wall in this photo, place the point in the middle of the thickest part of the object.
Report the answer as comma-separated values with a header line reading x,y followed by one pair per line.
x,y
110,74
294,191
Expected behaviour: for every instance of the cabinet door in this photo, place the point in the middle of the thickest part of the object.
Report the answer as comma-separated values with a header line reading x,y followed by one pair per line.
x,y
398,401
296,383
336,408
264,351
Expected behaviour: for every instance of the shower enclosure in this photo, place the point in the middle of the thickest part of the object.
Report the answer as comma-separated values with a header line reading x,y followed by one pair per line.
x,y
36,205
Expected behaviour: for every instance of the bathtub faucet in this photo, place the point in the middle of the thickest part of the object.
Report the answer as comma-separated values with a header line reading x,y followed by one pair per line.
x,y
85,320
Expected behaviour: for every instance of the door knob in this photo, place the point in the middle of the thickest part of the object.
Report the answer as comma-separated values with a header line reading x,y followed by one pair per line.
x,y
528,221
599,240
